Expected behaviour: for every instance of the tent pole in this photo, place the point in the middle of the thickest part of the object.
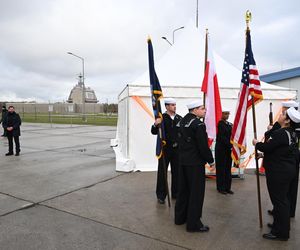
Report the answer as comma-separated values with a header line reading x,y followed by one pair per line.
x,y
197,14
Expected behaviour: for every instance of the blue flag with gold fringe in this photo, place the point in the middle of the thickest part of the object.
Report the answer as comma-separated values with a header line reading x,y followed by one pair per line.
x,y
156,95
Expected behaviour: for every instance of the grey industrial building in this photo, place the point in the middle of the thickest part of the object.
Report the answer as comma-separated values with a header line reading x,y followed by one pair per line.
x,y
289,78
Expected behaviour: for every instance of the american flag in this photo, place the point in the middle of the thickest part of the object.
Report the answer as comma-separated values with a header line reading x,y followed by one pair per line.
x,y
250,87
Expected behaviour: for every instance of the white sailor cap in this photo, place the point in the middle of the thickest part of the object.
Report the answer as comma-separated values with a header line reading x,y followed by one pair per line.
x,y
289,104
225,110
169,101
294,114
194,104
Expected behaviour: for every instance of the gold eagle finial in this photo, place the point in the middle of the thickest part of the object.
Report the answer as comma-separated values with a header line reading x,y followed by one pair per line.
x,y
248,17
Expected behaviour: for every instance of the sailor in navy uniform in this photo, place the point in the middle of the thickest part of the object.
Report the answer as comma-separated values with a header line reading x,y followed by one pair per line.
x,y
281,150
194,153
170,150
223,154
293,190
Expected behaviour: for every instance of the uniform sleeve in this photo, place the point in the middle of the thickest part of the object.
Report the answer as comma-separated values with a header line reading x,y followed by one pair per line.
x,y
278,139
202,143
154,130
275,127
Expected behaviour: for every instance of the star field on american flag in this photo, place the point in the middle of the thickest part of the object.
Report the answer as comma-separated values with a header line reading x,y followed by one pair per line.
x,y
245,76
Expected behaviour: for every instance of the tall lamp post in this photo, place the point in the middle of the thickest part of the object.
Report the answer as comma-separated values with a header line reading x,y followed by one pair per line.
x,y
83,86
175,31
163,37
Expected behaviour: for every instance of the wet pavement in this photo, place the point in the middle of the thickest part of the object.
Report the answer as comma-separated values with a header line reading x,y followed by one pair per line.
x,y
63,192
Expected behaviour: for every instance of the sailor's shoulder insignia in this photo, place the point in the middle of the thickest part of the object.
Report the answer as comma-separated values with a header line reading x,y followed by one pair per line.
x,y
189,123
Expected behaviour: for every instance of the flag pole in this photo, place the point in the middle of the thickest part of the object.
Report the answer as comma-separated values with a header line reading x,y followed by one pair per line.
x,y
256,166
271,115
163,155
165,167
248,19
205,61
155,86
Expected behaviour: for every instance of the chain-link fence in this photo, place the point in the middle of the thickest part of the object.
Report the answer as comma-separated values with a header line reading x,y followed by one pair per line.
x,y
66,113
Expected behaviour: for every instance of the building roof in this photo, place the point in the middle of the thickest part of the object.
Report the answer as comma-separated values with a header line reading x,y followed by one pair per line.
x,y
281,75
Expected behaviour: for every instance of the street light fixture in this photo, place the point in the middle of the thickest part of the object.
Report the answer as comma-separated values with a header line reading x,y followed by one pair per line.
x,y
83,86
175,31
163,37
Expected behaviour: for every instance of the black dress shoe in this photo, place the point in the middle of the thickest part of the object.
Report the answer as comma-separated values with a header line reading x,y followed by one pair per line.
x,y
271,236
161,201
230,192
202,229
222,192
17,154
179,222
7,154
270,212
270,225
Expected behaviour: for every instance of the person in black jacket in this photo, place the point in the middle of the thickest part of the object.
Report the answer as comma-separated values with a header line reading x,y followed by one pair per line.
x,y
281,152
194,153
293,190
223,154
4,112
170,150
11,124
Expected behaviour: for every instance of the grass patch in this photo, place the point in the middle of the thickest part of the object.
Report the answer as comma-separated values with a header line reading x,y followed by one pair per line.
x,y
90,119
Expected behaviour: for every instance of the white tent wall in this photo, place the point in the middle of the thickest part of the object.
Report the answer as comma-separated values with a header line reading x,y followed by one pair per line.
x,y
135,145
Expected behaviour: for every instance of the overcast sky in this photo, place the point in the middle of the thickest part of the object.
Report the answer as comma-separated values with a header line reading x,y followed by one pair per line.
x,y
111,36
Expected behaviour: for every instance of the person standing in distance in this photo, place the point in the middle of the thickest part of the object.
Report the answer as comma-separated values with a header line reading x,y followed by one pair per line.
x,y
223,154
170,150
11,124
194,153
4,112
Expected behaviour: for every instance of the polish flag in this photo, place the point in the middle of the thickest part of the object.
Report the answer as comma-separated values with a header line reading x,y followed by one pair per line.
x,y
212,97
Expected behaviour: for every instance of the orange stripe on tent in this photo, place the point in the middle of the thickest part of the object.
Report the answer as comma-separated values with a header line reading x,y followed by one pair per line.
x,y
143,105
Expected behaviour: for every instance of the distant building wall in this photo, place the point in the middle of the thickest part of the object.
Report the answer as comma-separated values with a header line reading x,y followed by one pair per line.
x,y
59,108
288,78
292,83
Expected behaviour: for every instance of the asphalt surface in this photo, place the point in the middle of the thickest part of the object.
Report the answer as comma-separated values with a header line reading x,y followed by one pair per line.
x,y
63,192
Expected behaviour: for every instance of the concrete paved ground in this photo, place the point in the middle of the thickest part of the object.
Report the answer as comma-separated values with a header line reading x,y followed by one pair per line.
x,y
63,193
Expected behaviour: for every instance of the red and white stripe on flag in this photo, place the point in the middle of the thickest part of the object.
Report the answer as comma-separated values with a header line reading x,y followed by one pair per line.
x,y
254,84
212,97
238,135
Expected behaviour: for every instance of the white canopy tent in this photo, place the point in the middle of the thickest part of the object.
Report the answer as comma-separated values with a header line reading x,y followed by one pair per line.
x,y
180,73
